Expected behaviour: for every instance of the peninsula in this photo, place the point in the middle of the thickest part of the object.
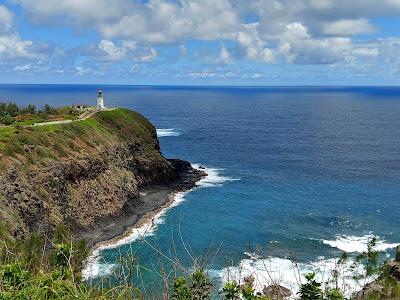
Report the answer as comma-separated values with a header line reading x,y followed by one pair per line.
x,y
99,175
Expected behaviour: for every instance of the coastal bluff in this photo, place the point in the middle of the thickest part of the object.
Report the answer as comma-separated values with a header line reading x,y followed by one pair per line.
x,y
85,174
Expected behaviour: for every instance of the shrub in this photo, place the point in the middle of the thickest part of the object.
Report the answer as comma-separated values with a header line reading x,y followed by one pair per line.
x,y
7,120
231,291
311,290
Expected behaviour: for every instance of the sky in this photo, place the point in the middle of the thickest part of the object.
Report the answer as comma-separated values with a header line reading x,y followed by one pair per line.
x,y
200,42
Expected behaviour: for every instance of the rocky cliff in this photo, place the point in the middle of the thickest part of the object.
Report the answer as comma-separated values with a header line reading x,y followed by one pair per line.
x,y
81,173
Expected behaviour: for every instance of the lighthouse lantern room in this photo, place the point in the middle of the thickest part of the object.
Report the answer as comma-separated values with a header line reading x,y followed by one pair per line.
x,y
100,99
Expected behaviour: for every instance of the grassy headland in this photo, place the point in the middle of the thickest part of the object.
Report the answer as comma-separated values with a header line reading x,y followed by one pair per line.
x,y
60,141
79,172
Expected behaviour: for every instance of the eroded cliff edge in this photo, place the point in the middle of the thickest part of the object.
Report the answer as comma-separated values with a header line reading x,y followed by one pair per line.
x,y
85,174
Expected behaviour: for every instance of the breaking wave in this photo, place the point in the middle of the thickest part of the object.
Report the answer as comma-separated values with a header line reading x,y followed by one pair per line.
x,y
162,132
352,244
95,267
288,273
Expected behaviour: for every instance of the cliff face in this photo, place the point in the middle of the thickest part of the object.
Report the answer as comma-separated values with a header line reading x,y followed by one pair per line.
x,y
78,173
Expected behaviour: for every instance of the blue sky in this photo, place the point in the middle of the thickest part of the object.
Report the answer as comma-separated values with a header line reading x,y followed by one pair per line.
x,y
201,42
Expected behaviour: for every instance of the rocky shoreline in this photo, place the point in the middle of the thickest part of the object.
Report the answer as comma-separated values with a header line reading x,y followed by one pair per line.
x,y
151,201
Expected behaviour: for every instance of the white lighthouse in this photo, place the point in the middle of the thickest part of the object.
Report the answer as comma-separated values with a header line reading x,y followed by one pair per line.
x,y
100,99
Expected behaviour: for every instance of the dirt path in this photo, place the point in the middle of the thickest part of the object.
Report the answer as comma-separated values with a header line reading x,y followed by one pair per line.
x,y
82,117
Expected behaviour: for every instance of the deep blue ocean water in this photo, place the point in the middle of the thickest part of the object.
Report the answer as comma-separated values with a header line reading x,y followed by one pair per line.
x,y
304,171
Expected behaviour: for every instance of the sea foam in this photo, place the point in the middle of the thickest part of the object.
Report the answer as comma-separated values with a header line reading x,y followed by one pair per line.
x,y
287,273
358,244
95,267
213,178
163,132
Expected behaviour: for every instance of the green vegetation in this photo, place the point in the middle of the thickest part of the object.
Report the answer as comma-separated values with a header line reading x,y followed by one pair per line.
x,y
38,268
41,268
35,145
12,114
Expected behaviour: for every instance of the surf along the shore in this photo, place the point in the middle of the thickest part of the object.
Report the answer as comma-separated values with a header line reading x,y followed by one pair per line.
x,y
147,226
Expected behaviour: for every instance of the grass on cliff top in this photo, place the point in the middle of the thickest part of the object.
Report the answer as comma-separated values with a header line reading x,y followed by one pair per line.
x,y
64,140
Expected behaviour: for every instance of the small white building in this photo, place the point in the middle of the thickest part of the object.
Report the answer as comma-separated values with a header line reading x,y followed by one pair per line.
x,y
100,99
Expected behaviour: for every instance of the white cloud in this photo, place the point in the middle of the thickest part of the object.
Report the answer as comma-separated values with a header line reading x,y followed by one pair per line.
x,y
6,19
286,31
253,76
161,22
113,52
147,57
23,67
225,56
81,12
183,50
348,27
11,46
135,68
254,47
201,74
367,52
82,70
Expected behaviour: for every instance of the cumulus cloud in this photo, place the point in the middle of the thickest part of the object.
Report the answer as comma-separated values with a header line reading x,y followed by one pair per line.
x,y
254,47
297,46
147,57
225,56
113,52
6,19
11,46
160,21
136,31
78,12
348,27
109,51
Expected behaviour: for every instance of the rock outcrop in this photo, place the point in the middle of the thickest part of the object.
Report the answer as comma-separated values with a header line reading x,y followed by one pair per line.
x,y
386,286
80,173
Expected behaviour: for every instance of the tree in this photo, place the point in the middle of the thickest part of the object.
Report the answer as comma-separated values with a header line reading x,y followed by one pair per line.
x,y
31,109
12,109
3,108
47,109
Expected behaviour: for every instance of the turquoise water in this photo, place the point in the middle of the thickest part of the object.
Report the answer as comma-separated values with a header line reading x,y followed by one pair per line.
x,y
304,172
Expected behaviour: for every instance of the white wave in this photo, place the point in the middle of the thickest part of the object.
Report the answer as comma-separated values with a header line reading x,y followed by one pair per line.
x,y
352,244
94,267
162,132
282,271
213,178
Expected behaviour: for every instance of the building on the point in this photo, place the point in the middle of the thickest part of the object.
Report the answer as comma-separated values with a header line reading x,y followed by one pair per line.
x,y
100,99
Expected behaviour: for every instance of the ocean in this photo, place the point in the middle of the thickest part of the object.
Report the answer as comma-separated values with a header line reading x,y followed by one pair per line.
x,y
295,173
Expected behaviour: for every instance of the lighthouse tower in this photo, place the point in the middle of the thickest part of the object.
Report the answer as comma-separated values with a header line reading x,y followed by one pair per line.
x,y
100,99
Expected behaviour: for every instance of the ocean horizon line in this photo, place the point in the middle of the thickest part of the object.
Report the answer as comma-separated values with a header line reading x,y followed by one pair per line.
x,y
200,85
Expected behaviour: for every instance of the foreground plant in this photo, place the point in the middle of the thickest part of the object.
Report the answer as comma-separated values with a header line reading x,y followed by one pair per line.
x,y
40,268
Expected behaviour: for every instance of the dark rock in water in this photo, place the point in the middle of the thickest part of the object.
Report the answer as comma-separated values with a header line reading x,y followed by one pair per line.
x,y
202,168
180,165
385,286
249,281
373,288
276,292
395,265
